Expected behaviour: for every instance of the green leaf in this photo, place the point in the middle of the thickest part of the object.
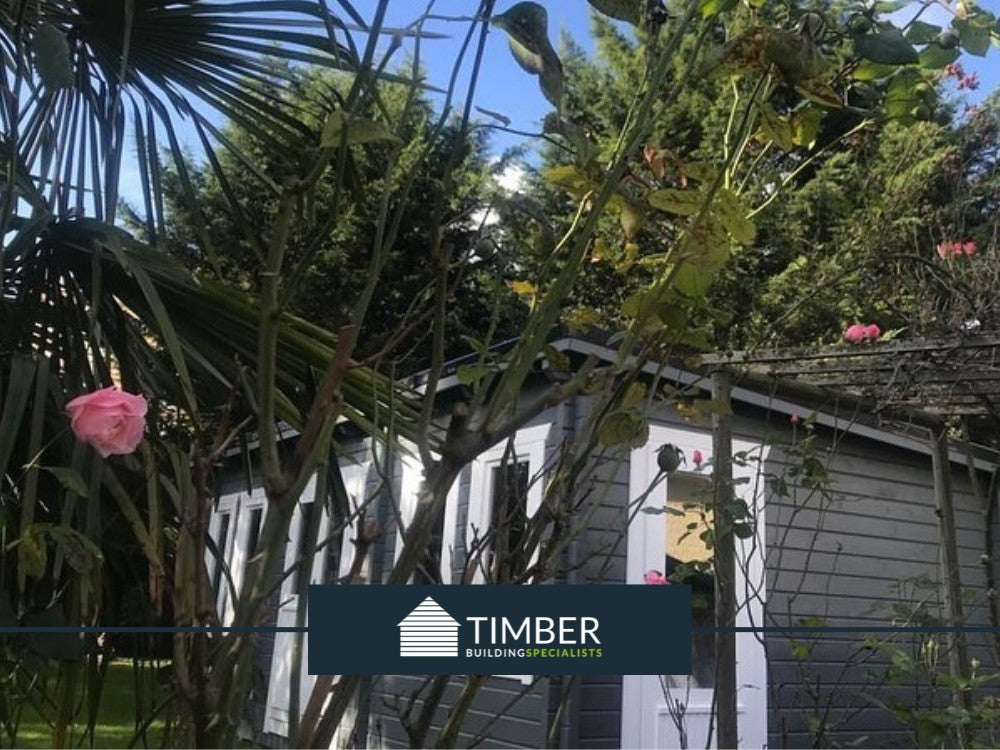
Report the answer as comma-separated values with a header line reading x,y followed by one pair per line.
x,y
51,55
821,93
674,201
743,53
33,556
974,39
354,130
623,428
526,25
621,10
631,219
70,479
902,96
922,33
712,8
935,57
775,129
805,126
705,252
796,55
635,394
570,178
889,47
557,360
471,374
699,170
733,215
869,71
81,554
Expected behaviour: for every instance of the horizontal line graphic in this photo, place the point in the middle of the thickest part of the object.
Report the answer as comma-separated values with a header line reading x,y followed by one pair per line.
x,y
705,629
431,639
429,652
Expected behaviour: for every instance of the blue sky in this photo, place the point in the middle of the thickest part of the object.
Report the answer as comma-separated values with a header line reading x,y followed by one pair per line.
x,y
503,87
506,89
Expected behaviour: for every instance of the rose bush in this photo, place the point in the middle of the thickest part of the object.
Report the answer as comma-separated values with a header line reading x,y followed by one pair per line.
x,y
111,421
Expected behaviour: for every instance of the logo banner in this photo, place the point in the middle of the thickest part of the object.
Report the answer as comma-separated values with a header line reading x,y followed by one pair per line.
x,y
504,629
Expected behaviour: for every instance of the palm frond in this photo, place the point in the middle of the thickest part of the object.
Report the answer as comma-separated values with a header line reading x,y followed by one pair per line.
x,y
89,295
144,66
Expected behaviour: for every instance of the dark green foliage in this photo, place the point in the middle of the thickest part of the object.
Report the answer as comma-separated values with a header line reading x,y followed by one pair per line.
x,y
340,266
853,231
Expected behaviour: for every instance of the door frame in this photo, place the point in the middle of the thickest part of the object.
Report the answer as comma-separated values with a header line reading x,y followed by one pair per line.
x,y
642,696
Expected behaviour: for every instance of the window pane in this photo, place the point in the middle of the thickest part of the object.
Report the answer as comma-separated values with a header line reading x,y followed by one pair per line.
x,y
220,544
508,516
688,558
256,516
305,518
429,569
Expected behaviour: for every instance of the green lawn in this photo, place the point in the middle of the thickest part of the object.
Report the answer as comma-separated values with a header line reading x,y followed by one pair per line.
x,y
115,719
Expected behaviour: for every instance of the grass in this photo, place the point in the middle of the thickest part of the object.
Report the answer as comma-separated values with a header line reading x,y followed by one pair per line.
x,y
115,725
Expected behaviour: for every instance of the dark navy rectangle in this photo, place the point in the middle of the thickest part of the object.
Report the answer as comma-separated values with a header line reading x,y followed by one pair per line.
x,y
641,629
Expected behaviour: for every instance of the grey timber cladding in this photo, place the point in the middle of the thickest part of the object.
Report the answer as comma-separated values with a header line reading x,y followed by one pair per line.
x,y
840,556
504,714
855,557
842,559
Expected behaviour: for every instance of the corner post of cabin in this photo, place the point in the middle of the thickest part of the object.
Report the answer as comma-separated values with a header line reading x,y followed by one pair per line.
x,y
951,581
725,560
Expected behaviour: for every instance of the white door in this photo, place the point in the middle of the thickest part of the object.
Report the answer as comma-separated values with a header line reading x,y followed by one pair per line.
x,y
279,682
669,711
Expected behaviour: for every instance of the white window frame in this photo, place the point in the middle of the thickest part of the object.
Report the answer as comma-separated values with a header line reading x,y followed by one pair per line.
x,y
530,446
411,477
355,476
227,505
244,506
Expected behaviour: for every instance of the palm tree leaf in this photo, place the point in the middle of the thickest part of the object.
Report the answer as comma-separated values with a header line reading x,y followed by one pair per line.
x,y
179,335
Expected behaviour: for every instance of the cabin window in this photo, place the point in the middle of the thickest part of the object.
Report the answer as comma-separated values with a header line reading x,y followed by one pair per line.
x,y
355,476
508,517
253,536
429,570
221,538
305,519
506,484
688,523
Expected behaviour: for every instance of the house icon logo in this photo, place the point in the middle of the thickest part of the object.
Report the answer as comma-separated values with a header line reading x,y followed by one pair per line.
x,y
428,631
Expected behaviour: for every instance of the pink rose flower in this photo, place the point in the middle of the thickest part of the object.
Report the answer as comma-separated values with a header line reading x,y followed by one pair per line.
x,y
872,331
655,577
697,458
855,333
110,420
794,418
956,249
